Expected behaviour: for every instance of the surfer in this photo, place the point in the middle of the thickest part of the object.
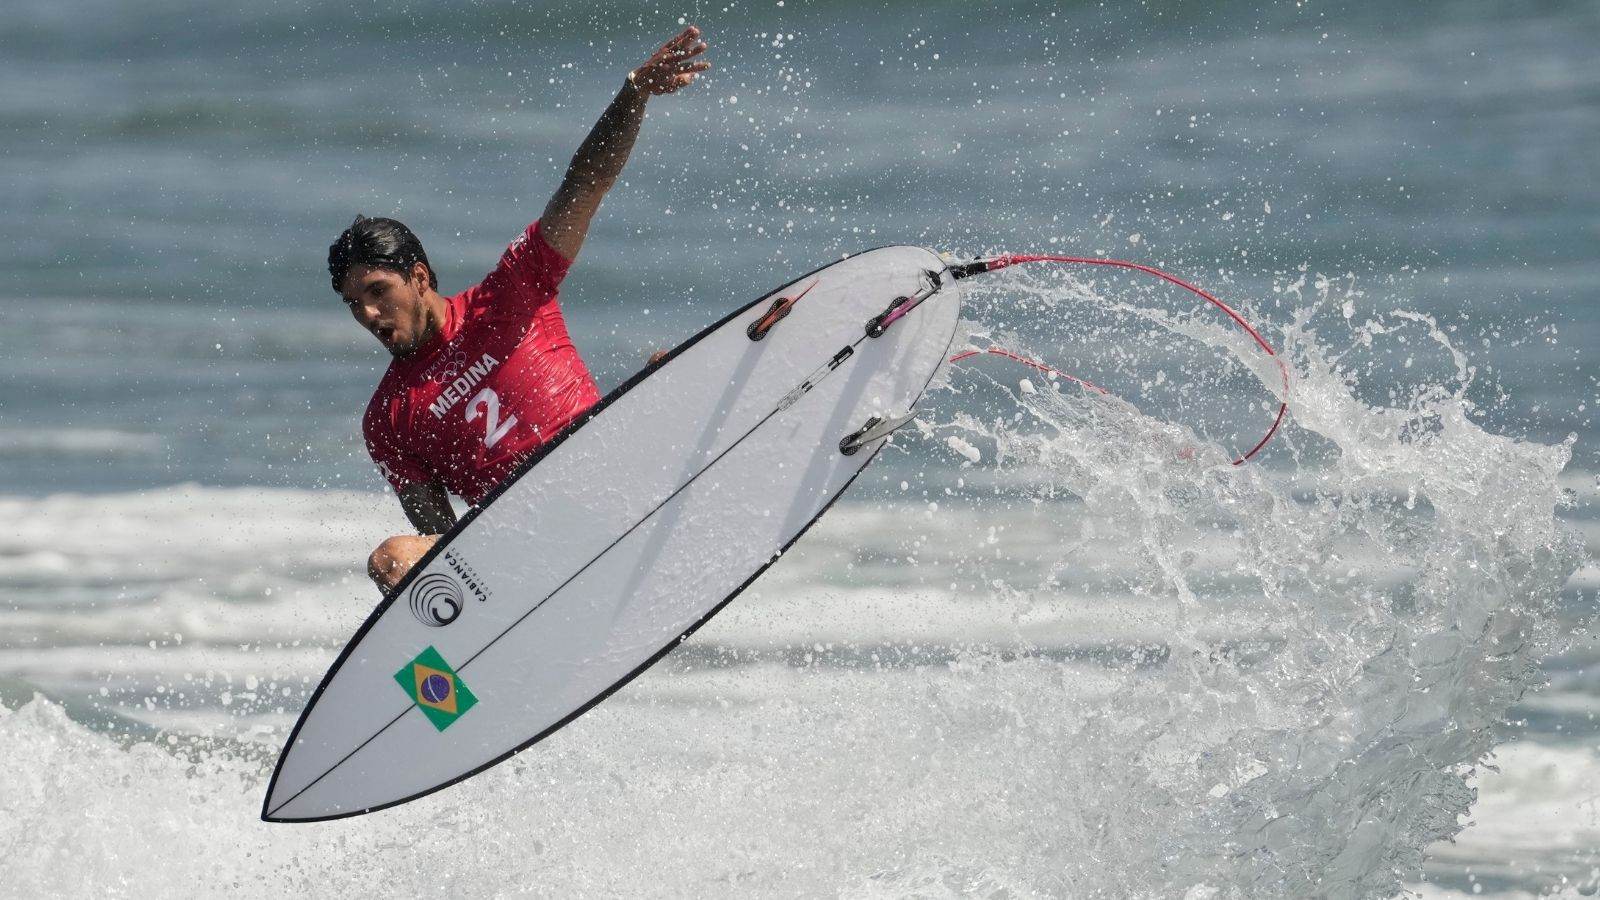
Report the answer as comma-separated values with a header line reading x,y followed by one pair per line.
x,y
482,379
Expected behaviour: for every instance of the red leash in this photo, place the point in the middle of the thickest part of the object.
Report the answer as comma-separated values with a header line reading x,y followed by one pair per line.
x,y
1032,363
994,263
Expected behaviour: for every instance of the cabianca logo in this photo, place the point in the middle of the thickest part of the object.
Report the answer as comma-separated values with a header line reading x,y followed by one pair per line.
x,y
436,600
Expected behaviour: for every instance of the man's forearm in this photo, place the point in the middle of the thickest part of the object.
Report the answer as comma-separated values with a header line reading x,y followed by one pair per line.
x,y
605,151
428,508
594,169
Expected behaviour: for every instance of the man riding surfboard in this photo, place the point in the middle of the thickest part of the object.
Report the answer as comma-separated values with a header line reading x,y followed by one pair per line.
x,y
482,379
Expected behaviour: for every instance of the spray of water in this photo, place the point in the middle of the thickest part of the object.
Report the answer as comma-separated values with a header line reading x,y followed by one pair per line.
x,y
1384,606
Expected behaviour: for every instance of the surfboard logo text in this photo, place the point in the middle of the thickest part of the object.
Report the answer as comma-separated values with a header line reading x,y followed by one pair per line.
x,y
436,600
467,574
463,383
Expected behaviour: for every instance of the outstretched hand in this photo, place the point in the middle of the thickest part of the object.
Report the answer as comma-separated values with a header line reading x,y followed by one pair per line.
x,y
673,66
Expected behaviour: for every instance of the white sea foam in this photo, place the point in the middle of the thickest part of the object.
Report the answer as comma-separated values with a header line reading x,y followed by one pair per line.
x,y
94,442
1537,820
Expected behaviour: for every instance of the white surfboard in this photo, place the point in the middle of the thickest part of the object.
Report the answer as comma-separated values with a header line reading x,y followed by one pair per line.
x,y
618,539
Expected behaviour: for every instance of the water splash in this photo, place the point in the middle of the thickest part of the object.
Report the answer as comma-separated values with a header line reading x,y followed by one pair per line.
x,y
1389,603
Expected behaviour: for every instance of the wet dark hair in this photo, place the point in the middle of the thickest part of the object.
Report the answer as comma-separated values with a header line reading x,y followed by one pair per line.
x,y
381,244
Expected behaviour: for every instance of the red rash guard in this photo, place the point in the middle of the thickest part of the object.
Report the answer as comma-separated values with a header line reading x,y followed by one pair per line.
x,y
499,380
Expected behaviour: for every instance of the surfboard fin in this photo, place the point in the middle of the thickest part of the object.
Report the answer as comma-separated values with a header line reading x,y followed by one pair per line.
x,y
774,314
899,306
876,427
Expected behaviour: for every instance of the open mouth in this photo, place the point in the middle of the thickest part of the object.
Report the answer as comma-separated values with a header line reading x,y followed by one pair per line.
x,y
386,335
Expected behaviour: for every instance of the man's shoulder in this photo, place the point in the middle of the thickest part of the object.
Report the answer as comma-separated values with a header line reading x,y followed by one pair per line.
x,y
529,266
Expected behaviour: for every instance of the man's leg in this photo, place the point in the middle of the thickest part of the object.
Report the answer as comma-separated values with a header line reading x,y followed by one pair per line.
x,y
395,557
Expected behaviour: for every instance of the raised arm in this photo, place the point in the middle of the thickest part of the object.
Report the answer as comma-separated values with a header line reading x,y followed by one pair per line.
x,y
601,156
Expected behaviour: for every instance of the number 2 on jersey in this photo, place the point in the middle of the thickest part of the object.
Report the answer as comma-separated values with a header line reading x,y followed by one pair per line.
x,y
487,405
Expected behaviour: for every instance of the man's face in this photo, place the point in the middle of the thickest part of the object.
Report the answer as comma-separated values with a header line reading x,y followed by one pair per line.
x,y
389,305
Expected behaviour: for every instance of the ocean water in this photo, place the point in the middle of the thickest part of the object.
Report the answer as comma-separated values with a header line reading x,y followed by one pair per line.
x,y
1054,645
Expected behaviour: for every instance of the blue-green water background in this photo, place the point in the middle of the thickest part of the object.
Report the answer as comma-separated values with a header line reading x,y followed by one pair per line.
x,y
173,172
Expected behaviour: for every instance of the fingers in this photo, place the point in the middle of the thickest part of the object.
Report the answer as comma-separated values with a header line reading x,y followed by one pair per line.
x,y
671,56
684,38
680,42
686,44
674,65
687,74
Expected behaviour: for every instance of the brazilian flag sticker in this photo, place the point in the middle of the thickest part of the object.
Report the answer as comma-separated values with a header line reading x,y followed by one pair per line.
x,y
436,688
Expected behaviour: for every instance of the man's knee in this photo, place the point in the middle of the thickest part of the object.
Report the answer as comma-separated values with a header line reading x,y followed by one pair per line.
x,y
383,561
395,556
